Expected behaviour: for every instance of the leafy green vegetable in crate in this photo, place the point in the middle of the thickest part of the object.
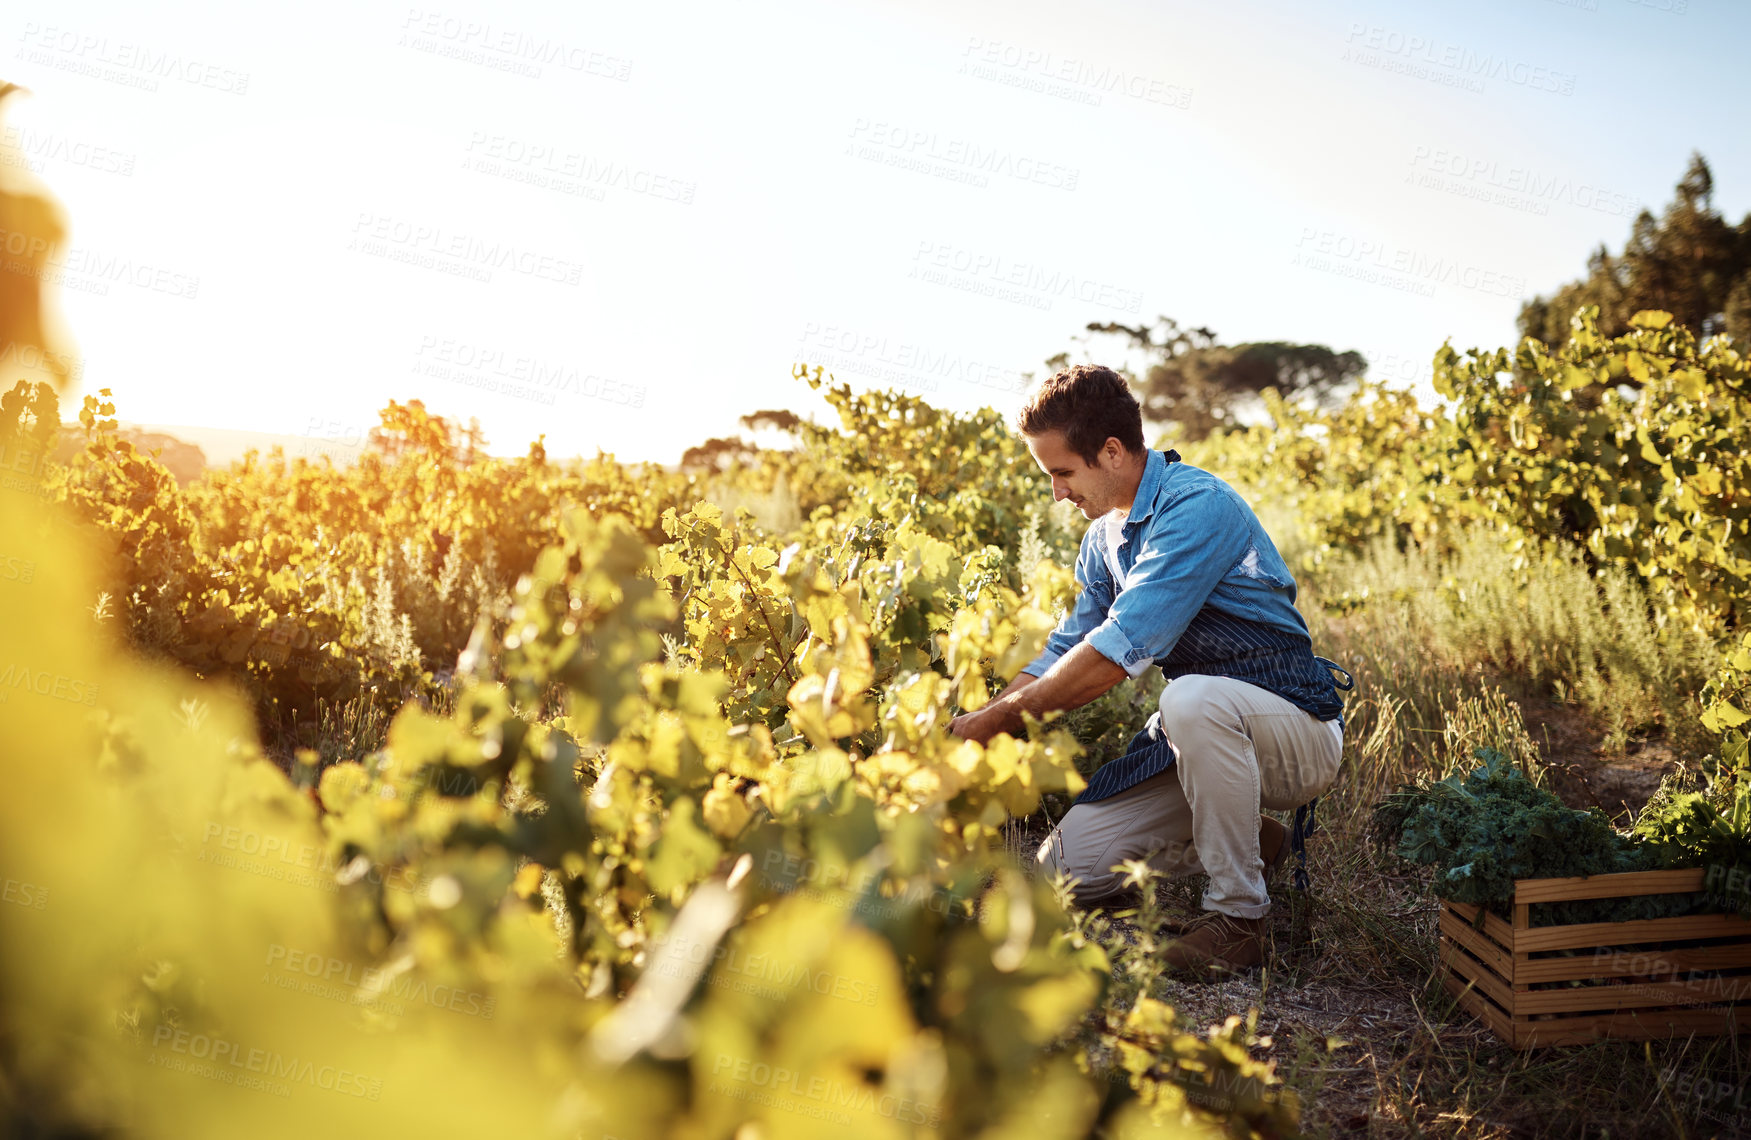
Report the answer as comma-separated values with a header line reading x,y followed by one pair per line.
x,y
1485,829
1709,829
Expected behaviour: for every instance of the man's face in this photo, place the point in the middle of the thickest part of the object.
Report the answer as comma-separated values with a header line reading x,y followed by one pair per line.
x,y
1093,488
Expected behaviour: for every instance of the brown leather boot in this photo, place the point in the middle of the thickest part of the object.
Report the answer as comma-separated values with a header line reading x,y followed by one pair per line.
x,y
1218,944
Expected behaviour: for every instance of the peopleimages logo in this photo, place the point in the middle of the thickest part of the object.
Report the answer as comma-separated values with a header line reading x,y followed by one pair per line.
x,y
1466,175
33,358
940,262
551,166
1674,982
227,1061
88,270
20,893
20,676
306,864
518,374
1383,263
1725,880
1422,57
1077,80
32,149
463,255
325,976
504,49
1721,1101
954,158
768,975
135,65
884,359
792,1091
20,570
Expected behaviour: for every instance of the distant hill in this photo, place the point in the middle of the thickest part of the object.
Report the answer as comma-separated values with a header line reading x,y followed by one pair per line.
x,y
187,450
225,446
184,460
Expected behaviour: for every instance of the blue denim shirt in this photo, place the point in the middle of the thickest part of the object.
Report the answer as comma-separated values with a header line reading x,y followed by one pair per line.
x,y
1200,588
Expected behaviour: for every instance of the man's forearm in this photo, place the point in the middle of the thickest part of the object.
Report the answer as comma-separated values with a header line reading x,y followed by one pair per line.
x,y
1022,681
1074,679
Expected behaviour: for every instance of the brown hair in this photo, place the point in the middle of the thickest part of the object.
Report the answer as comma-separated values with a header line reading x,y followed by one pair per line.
x,y
1088,403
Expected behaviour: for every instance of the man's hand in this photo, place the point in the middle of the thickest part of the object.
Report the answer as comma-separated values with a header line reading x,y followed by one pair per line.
x,y
976,726
980,726
1074,679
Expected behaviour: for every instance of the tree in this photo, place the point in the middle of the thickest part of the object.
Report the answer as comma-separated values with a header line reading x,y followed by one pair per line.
x,y
1689,262
1195,384
722,453
409,429
718,454
779,419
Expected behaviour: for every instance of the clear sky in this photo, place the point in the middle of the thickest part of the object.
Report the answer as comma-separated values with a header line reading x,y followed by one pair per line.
x,y
620,225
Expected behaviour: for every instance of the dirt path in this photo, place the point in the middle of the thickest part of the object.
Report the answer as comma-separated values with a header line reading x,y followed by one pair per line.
x,y
1583,772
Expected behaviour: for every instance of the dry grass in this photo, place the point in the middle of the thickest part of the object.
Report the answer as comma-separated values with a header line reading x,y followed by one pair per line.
x,y
1536,617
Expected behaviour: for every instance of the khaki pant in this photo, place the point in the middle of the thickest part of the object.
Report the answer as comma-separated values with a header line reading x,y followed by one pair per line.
x,y
1240,749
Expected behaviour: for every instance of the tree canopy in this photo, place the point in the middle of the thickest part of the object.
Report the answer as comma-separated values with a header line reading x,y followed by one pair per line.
x,y
1195,384
1689,262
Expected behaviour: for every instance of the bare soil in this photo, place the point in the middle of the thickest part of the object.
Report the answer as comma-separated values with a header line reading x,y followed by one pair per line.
x,y
1583,773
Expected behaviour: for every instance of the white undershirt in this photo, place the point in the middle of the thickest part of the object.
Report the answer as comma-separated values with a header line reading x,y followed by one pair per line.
x,y
1112,537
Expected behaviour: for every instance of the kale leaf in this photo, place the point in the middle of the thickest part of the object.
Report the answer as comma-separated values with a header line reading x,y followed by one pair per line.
x,y
1483,830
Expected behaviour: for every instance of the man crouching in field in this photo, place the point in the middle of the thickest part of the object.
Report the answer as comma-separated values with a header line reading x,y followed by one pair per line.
x,y
1175,571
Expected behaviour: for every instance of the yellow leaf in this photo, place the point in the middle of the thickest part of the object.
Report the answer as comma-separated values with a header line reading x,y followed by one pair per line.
x,y
341,785
724,809
685,854
528,880
1724,714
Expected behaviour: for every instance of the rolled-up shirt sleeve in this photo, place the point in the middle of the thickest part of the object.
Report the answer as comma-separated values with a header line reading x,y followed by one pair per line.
x,y
1086,613
1182,560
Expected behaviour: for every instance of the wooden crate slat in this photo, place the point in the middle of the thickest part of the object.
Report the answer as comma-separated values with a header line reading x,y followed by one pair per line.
x,y
1632,1026
1626,963
1701,992
1588,934
1474,971
1473,1001
1608,886
1496,957
1493,925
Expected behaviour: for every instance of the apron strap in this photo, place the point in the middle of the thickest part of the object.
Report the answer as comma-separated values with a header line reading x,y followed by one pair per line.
x,y
1349,681
1304,828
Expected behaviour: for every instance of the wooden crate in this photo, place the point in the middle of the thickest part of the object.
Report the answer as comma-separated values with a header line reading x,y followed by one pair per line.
x,y
1663,977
